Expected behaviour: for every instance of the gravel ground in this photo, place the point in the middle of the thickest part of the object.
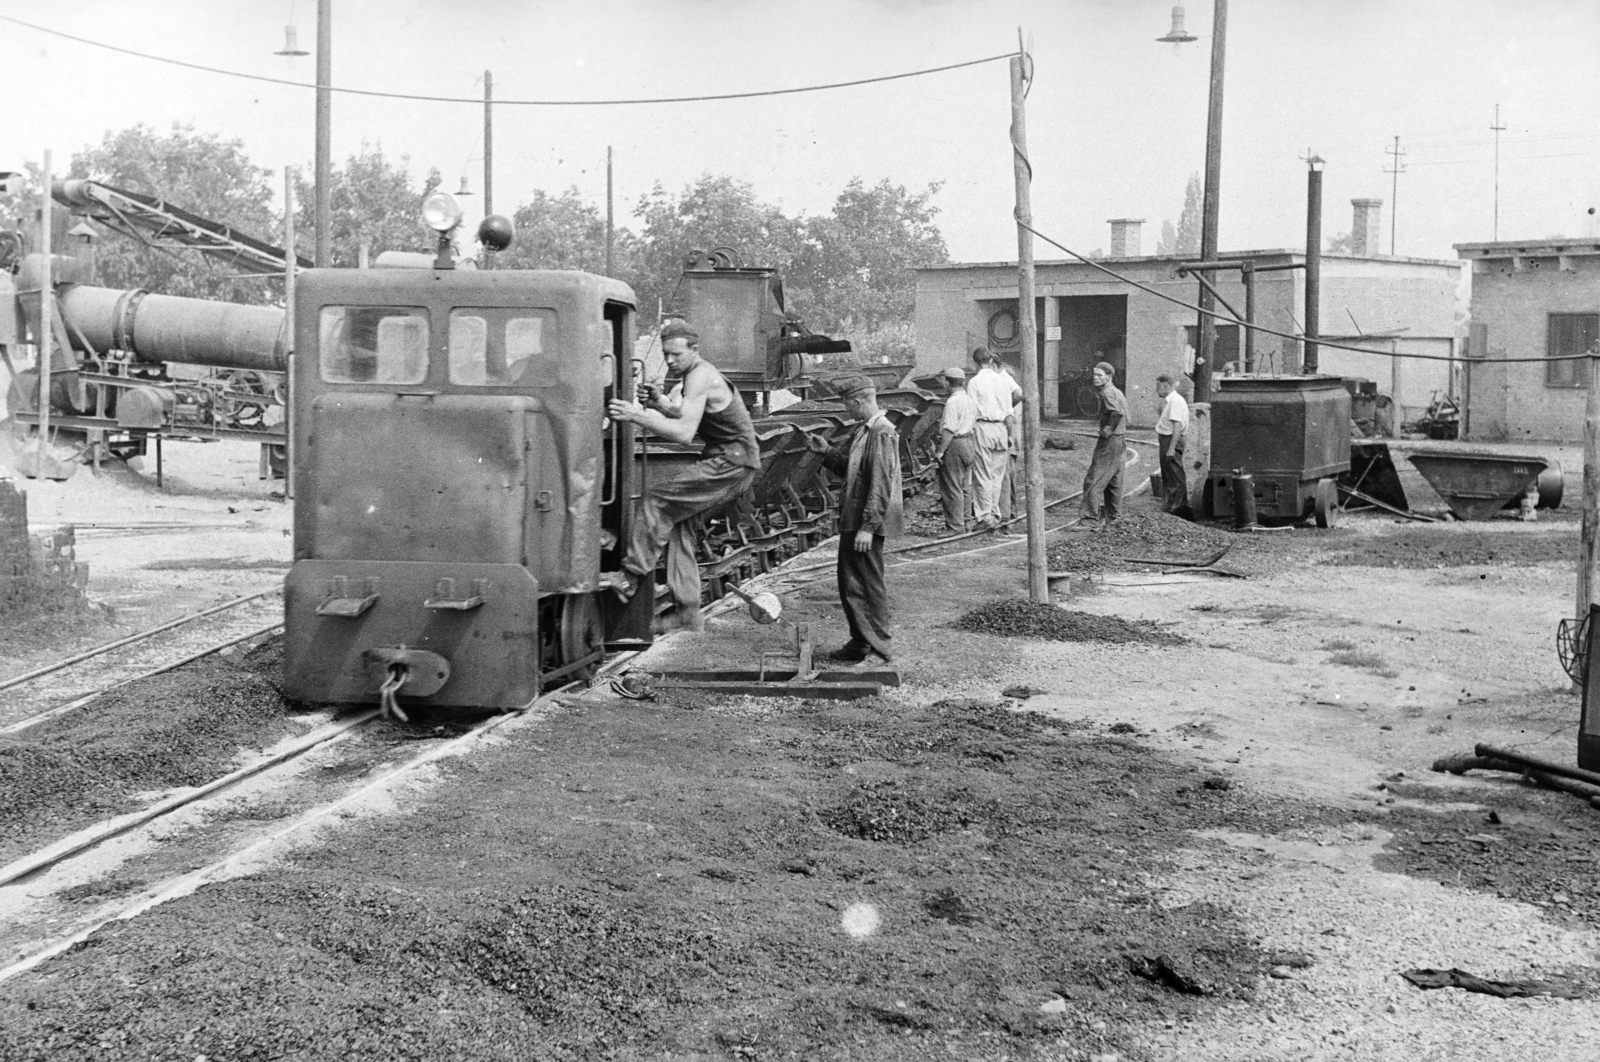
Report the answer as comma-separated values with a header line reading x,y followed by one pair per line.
x,y
1458,547
1143,531
181,728
872,880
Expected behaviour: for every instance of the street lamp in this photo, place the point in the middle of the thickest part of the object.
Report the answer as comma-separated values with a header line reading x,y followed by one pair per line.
x,y
1207,329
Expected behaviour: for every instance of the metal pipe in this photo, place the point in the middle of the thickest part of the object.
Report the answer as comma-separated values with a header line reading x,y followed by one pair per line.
x,y
1247,273
324,159
46,317
1210,198
1215,294
1236,263
289,286
1308,363
610,239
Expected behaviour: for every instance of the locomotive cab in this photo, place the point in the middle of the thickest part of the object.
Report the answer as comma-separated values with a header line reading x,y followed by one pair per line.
x,y
457,485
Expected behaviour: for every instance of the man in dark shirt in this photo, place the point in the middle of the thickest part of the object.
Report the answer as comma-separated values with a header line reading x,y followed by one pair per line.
x,y
870,509
1102,486
709,407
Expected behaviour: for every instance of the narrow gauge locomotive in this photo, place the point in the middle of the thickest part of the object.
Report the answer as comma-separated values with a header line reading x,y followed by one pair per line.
x,y
457,485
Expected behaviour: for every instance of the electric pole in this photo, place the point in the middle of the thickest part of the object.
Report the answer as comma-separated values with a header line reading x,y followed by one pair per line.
x,y
488,143
1498,128
1394,193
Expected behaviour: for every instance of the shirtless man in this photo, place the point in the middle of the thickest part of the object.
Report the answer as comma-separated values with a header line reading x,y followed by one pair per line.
x,y
709,407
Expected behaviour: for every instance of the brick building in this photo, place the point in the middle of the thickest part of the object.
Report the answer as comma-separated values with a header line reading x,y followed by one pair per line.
x,y
1530,299
1378,301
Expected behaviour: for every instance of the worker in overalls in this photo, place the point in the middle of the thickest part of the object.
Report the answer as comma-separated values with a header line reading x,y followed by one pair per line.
x,y
706,406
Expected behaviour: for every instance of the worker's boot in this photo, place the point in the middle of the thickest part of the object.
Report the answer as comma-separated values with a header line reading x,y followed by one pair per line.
x,y
622,583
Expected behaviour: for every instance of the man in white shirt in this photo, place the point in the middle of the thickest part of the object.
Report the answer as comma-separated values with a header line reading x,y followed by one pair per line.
x,y
995,394
1170,430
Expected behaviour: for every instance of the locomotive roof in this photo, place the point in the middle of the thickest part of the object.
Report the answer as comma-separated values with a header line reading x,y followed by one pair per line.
x,y
491,283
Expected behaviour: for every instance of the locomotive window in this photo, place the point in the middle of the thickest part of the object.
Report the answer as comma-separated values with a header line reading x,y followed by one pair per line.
x,y
501,348
374,344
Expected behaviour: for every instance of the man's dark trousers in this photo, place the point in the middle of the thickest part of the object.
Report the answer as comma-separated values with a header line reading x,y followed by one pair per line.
x,y
1103,485
864,596
955,481
1174,480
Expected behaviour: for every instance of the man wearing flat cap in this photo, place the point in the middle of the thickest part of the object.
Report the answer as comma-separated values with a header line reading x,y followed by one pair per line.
x,y
1102,484
870,509
958,450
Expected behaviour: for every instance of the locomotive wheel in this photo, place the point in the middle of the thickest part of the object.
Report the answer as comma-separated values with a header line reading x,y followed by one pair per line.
x,y
1325,504
582,632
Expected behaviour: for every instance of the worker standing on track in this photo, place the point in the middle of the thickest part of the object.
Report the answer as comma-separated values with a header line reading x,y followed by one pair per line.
x,y
1170,430
996,395
709,407
870,509
958,451
1102,485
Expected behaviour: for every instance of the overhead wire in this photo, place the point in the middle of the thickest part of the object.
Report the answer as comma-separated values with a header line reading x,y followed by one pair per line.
x,y
478,101
1263,329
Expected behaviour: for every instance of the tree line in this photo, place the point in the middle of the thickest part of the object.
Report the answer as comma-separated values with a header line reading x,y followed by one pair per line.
x,y
847,272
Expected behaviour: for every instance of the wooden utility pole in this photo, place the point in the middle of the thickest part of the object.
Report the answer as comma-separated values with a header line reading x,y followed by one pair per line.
x,y
1589,560
488,143
290,265
324,159
1210,202
1027,331
47,316
610,228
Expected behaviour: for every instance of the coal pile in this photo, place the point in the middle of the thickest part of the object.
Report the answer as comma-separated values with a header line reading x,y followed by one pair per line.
x,y
1141,534
1027,619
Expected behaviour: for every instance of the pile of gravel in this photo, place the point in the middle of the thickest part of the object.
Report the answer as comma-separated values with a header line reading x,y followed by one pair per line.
x,y
1140,534
1026,619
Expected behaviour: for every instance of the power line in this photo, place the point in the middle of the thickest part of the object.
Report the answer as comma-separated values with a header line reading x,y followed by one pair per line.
x,y
1509,158
1273,331
506,103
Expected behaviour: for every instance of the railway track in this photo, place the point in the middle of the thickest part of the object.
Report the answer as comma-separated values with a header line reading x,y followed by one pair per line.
x,y
39,924
74,681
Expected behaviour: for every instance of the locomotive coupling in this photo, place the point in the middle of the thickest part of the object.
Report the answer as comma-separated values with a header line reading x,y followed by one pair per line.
x,y
396,669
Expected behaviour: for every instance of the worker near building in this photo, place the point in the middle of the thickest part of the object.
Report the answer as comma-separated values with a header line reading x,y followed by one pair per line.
x,y
870,510
958,450
705,405
1171,428
995,395
1102,485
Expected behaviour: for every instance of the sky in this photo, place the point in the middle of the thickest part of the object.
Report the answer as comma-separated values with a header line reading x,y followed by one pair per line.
x,y
1116,122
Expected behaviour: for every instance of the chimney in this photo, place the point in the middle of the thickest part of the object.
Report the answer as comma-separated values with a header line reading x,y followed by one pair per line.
x,y
1125,237
1366,226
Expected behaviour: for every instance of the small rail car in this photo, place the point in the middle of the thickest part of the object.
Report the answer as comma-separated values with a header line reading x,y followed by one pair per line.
x,y
457,485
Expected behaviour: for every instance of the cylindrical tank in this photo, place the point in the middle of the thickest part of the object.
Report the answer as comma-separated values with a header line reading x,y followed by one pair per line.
x,y
158,328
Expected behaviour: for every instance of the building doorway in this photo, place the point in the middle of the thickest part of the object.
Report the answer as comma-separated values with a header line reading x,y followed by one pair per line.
x,y
1094,328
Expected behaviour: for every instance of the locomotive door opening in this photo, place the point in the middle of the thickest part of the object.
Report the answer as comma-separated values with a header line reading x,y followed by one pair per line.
x,y
623,485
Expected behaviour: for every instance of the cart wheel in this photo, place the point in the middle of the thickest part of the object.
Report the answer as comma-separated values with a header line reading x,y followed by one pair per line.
x,y
582,631
1326,503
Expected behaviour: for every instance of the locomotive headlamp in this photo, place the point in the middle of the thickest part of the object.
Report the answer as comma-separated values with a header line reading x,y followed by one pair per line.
x,y
440,212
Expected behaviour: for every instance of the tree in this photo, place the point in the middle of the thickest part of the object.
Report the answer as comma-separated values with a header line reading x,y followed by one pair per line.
x,y
715,211
370,201
565,232
1340,244
1188,241
204,175
1168,244
856,265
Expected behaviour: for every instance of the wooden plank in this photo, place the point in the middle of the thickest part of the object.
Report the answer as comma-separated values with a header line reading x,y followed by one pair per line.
x,y
810,691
